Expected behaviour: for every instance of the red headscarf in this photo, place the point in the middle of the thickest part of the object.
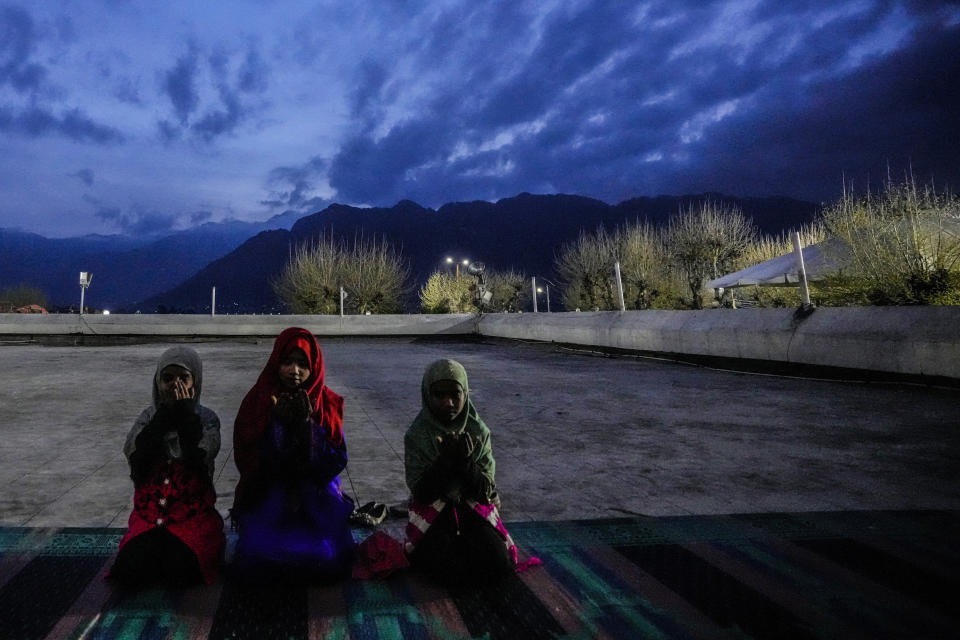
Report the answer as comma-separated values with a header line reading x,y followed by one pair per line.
x,y
254,414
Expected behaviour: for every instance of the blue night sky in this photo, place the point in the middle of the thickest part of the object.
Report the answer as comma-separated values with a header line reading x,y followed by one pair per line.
x,y
137,117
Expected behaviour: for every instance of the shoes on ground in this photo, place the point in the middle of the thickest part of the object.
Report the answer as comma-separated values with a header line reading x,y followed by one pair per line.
x,y
369,515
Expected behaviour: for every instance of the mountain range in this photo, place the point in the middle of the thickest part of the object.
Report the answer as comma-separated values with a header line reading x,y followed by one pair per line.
x,y
177,272
125,268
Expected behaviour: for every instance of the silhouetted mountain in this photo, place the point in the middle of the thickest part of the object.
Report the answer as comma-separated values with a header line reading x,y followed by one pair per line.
x,y
522,233
242,279
125,268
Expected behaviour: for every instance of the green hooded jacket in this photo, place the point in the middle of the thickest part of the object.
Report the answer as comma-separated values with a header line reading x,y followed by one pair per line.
x,y
420,441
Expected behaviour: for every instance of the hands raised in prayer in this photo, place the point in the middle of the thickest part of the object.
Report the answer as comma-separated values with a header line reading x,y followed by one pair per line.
x,y
455,448
292,409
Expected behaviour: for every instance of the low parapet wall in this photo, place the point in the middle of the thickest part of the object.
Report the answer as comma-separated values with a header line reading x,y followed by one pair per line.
x,y
910,341
907,341
230,325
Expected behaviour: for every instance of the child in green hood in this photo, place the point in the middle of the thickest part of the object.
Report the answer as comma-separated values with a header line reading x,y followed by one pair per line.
x,y
454,531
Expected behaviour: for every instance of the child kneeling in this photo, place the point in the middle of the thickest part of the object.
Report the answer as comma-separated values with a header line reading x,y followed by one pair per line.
x,y
290,510
174,535
454,531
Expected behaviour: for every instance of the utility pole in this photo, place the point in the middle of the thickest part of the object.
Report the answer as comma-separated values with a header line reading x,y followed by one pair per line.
x,y
616,272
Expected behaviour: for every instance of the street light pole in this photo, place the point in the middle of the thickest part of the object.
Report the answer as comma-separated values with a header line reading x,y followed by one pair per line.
x,y
457,263
536,290
85,278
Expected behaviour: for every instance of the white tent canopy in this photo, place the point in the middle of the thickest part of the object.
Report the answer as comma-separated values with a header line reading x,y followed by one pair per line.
x,y
820,260
833,255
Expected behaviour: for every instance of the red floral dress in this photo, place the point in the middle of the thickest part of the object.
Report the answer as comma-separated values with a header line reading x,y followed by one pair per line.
x,y
181,497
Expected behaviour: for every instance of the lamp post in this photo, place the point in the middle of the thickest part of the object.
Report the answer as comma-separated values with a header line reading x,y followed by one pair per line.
x,y
536,290
457,263
85,278
545,289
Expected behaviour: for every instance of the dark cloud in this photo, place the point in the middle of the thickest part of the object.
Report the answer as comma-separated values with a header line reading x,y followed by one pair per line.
x,y
198,217
254,74
137,221
110,214
291,187
113,67
313,205
782,100
19,70
18,39
365,97
85,176
73,123
179,85
230,78
220,121
568,50
146,223
900,110
364,168
76,125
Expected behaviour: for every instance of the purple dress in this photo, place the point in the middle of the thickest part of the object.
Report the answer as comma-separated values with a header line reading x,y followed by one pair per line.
x,y
298,524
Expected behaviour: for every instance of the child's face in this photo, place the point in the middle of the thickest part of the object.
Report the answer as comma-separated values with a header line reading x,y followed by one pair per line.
x,y
446,400
175,383
294,369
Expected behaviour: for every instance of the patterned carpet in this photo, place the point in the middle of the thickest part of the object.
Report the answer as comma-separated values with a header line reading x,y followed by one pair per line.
x,y
800,575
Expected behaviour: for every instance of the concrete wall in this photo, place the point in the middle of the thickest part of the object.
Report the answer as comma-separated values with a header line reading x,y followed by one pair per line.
x,y
229,325
913,341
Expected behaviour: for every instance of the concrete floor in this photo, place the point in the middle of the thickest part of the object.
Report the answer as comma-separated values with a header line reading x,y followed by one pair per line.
x,y
574,435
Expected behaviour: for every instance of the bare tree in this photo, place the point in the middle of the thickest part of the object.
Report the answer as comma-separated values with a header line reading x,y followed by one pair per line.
x,y
707,241
376,276
904,244
310,282
586,265
584,268
373,274
647,281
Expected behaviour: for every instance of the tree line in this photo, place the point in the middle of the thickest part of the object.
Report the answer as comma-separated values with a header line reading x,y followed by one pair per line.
x,y
898,246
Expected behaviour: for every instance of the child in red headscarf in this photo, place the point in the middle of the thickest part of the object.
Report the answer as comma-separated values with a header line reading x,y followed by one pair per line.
x,y
291,513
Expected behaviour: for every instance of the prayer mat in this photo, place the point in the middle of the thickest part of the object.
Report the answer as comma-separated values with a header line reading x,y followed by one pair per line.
x,y
863,574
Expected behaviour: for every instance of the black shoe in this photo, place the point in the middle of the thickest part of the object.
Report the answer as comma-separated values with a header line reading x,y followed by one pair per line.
x,y
369,515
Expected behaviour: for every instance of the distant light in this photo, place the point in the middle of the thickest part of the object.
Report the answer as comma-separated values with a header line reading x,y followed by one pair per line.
x,y
449,260
466,262
105,312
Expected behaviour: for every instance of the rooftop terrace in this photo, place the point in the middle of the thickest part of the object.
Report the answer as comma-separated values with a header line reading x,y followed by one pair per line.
x,y
638,472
